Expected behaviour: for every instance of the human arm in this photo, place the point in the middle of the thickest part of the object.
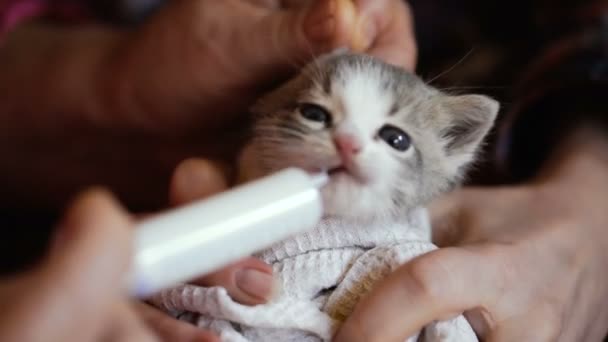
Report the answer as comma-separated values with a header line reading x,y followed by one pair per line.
x,y
92,104
520,258
525,262
105,225
77,292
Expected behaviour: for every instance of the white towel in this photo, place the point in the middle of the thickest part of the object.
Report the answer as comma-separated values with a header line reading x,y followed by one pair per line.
x,y
323,273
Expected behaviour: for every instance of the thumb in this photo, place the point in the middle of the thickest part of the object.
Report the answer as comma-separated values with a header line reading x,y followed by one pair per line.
x,y
439,284
85,271
93,246
194,179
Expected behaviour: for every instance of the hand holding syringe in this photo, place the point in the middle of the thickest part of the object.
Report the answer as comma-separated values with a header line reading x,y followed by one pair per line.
x,y
207,235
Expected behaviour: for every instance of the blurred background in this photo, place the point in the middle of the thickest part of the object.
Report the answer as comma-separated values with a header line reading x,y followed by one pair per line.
x,y
464,46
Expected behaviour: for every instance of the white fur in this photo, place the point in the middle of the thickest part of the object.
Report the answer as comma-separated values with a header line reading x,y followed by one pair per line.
x,y
362,92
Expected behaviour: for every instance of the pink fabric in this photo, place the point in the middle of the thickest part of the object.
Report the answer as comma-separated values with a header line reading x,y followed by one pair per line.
x,y
14,12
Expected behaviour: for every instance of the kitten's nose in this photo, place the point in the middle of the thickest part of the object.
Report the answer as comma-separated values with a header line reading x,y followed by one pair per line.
x,y
347,145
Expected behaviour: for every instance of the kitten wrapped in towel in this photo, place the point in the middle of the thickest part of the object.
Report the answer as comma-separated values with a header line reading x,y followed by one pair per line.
x,y
391,144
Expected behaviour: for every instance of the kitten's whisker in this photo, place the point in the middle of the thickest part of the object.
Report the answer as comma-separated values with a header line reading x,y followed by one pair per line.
x,y
474,87
312,69
276,133
460,61
458,90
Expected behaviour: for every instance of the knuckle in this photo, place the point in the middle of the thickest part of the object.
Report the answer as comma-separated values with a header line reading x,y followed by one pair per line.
x,y
425,280
550,322
548,330
219,278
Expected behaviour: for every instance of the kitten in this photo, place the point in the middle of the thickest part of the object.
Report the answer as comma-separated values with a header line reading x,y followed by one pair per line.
x,y
391,142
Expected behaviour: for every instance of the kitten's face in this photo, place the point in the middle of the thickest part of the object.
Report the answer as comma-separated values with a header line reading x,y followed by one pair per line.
x,y
389,141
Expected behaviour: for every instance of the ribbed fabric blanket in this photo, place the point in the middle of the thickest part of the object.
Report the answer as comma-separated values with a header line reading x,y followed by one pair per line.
x,y
323,273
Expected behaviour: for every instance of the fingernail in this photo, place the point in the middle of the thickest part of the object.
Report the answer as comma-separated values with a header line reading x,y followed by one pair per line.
x,y
195,179
191,173
320,23
256,283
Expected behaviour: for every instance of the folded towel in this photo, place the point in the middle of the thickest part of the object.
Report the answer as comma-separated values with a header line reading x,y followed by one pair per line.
x,y
323,273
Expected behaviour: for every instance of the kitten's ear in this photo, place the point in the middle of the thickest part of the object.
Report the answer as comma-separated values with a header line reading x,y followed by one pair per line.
x,y
469,119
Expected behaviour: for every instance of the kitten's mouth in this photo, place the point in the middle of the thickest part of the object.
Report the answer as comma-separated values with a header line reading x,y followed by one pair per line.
x,y
342,170
337,170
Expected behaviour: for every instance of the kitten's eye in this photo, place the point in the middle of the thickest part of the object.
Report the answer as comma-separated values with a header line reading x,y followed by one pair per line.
x,y
395,137
314,112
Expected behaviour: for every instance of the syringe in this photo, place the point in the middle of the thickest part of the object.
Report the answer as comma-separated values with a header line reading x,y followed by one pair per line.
x,y
204,236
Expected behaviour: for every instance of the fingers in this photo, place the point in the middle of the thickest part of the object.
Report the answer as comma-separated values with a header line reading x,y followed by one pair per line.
x,y
73,290
391,25
93,247
290,37
473,215
249,281
436,285
125,326
383,28
170,329
195,179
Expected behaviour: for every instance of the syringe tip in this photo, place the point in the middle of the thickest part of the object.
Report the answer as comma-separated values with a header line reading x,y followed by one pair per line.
x,y
320,179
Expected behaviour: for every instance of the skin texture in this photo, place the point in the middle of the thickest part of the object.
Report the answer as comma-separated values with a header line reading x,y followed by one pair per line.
x,y
45,304
526,262
139,102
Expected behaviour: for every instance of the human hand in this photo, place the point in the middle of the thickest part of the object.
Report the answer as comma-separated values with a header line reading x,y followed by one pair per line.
x,y
249,281
137,102
70,295
77,292
525,263
198,63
